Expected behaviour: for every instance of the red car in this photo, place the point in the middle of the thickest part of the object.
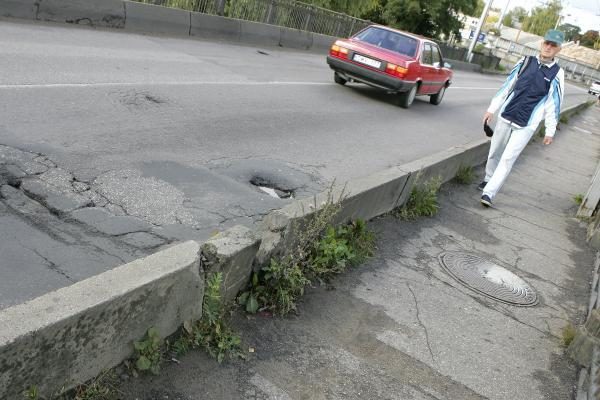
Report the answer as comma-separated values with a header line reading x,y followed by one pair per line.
x,y
395,61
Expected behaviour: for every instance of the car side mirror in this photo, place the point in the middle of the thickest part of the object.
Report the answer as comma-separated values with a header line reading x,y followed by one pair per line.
x,y
446,65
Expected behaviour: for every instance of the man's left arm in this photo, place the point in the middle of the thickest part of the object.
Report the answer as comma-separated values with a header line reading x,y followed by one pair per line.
x,y
553,105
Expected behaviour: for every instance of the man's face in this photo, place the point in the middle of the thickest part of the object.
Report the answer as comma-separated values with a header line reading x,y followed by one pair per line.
x,y
549,49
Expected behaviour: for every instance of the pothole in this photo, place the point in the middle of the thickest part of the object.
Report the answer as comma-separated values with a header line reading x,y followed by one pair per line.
x,y
271,188
488,278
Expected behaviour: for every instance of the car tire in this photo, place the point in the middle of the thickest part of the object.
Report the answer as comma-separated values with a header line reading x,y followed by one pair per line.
x,y
405,99
436,99
338,79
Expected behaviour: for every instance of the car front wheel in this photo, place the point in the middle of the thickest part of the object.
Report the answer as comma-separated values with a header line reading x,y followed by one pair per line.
x,y
338,79
405,99
436,99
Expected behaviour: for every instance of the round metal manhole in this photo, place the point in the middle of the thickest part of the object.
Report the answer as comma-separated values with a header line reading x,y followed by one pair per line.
x,y
489,279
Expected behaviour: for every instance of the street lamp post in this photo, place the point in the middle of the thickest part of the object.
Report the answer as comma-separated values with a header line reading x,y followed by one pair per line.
x,y
478,29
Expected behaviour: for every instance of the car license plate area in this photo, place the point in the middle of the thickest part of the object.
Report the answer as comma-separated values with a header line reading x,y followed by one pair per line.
x,y
367,61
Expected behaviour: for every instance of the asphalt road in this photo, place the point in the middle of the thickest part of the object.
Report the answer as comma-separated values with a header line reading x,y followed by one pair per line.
x,y
170,131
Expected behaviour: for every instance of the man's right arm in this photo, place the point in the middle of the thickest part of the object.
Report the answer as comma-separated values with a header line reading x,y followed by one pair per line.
x,y
500,97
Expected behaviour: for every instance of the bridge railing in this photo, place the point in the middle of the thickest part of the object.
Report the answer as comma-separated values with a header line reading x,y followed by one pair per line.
x,y
285,13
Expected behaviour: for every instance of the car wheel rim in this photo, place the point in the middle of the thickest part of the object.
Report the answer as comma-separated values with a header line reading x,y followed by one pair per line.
x,y
412,94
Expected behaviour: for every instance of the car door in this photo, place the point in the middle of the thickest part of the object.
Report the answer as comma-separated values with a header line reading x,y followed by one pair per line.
x,y
438,74
427,70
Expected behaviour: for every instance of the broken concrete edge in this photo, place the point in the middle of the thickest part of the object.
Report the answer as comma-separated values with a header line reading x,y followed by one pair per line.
x,y
71,335
149,18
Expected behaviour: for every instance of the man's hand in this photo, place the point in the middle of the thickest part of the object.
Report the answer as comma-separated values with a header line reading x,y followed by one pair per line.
x,y
487,117
548,140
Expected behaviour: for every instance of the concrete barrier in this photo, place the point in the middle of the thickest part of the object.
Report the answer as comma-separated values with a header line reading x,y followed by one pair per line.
x,y
149,18
296,39
211,26
70,335
107,13
254,32
26,9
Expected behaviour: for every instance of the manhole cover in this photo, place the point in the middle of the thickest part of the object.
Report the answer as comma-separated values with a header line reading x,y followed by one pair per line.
x,y
489,279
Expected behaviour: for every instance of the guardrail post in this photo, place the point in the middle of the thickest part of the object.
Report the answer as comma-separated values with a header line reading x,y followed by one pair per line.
x,y
308,18
352,27
220,7
270,13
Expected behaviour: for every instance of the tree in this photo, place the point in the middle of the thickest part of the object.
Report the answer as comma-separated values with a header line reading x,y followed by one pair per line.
x,y
571,31
589,39
507,20
356,8
518,13
543,18
428,18
477,10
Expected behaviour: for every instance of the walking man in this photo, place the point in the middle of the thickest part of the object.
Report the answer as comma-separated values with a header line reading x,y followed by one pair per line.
x,y
533,91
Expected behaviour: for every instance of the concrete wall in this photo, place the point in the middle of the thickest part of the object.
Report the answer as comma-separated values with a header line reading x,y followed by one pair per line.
x,y
69,336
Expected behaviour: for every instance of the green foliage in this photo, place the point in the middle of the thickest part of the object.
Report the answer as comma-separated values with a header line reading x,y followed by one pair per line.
x,y
422,201
319,252
212,332
339,248
543,18
568,334
578,199
507,21
571,31
32,393
427,17
480,48
465,175
149,352
564,119
590,39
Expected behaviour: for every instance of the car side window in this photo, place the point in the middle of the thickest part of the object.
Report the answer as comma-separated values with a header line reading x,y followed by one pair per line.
x,y
426,57
436,57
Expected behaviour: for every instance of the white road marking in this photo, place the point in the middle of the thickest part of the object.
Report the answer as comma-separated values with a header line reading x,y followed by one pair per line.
x,y
108,84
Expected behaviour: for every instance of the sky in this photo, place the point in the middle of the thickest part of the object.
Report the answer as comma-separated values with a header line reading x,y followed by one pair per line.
x,y
582,13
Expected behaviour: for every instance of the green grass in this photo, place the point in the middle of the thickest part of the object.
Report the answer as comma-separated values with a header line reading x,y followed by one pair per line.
x,y
578,199
422,201
568,334
465,175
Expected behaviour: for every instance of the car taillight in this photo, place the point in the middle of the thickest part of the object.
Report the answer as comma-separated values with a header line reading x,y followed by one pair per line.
x,y
338,51
396,70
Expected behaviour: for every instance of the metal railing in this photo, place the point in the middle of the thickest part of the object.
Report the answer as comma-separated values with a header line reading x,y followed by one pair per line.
x,y
285,13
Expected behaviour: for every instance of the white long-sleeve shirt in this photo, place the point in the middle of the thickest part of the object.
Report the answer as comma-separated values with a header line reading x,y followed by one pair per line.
x,y
548,108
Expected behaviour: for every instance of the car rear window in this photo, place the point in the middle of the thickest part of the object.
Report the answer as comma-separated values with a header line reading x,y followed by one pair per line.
x,y
389,40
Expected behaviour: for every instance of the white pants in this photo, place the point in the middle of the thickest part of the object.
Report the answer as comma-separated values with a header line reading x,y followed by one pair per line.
x,y
507,144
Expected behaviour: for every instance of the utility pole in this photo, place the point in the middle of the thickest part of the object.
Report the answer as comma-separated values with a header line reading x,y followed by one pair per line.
x,y
499,24
478,29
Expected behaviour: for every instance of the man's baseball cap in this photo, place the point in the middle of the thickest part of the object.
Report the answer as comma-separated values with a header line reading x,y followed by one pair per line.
x,y
555,36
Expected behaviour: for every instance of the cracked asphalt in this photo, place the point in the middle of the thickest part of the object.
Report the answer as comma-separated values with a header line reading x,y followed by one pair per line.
x,y
400,327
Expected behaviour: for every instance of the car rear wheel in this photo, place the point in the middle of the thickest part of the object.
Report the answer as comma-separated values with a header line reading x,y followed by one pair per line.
x,y
338,79
405,99
436,99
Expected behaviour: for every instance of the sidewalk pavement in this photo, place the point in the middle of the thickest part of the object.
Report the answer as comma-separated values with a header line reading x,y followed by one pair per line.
x,y
399,327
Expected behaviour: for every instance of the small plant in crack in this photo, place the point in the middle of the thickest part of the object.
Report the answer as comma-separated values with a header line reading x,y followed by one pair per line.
x,y
578,199
568,334
465,175
149,352
212,332
422,202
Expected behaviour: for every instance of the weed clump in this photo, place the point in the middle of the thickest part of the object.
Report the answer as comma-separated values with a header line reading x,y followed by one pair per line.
x,y
211,332
465,175
568,334
578,199
422,201
321,251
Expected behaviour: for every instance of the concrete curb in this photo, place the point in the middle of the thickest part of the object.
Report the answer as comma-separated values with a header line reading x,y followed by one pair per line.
x,y
70,335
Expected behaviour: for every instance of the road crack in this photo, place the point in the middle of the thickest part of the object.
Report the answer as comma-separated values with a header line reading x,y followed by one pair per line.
x,y
421,322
